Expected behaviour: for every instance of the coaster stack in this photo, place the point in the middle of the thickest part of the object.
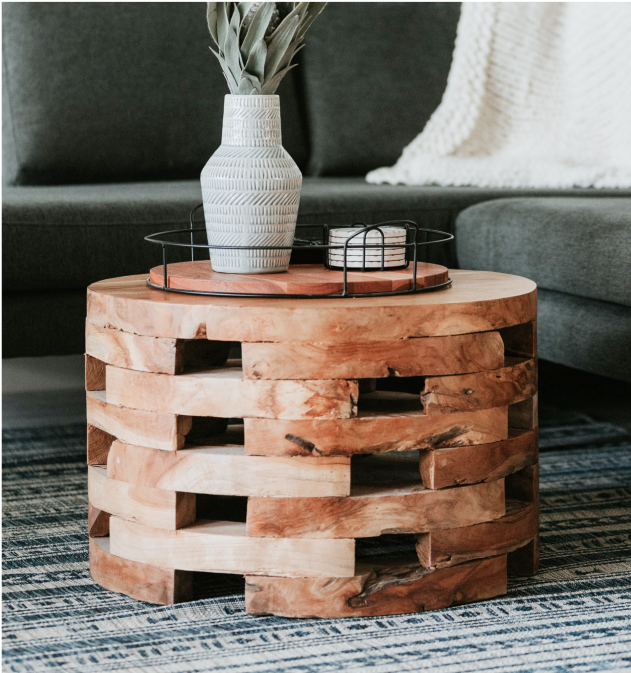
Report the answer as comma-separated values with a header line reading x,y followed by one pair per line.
x,y
344,421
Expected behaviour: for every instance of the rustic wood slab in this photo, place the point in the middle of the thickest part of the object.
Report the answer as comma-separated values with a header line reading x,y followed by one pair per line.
x,y
524,562
299,279
94,373
429,356
139,580
228,471
165,431
521,340
478,301
223,392
524,414
483,390
150,506
524,485
150,354
373,432
442,468
98,444
372,511
98,522
515,529
224,547
399,588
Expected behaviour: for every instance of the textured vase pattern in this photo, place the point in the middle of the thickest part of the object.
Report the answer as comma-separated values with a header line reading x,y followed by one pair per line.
x,y
251,189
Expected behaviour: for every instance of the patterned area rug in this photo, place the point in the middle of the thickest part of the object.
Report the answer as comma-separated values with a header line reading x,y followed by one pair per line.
x,y
574,616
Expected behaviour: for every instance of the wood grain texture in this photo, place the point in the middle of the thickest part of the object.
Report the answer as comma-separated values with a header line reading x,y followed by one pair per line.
x,y
223,547
223,392
521,340
373,432
163,431
442,468
483,390
138,580
478,301
401,587
524,414
150,506
524,485
373,511
299,279
524,562
98,522
228,471
94,373
494,538
98,443
150,354
404,357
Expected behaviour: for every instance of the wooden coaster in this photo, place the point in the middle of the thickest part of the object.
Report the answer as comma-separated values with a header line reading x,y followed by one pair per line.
x,y
300,279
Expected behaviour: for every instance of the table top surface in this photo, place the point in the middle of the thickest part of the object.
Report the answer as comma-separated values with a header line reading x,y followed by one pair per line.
x,y
476,301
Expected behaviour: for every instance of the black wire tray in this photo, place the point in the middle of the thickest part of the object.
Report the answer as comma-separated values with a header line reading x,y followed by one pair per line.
x,y
412,245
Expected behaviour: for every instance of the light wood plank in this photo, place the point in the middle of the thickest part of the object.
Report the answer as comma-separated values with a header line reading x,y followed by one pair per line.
x,y
404,357
401,587
524,485
524,562
478,301
524,414
150,506
223,547
98,445
494,538
228,471
373,432
469,392
163,431
98,522
373,511
441,468
223,392
139,580
151,354
94,373
521,340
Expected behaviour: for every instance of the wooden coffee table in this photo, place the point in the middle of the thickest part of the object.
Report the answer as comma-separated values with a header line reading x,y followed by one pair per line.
x,y
411,416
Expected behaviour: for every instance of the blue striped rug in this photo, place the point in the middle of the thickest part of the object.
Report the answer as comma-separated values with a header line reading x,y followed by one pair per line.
x,y
574,616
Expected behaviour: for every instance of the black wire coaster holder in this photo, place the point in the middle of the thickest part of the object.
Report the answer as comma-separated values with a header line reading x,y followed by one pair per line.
x,y
412,245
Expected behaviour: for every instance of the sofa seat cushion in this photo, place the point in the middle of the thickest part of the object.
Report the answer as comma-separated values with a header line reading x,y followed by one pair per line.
x,y
578,246
66,237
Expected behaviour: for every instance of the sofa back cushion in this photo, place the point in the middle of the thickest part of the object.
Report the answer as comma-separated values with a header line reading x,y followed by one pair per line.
x,y
115,91
373,73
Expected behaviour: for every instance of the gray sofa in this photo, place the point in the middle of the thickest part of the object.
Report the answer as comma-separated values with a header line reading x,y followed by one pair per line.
x,y
111,110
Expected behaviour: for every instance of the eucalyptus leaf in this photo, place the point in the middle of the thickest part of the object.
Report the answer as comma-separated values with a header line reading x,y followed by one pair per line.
x,y
232,55
256,29
292,50
279,42
244,8
313,11
211,18
270,87
254,83
256,63
222,25
230,78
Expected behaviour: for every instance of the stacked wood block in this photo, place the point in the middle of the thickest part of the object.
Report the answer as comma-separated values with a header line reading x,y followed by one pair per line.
x,y
344,420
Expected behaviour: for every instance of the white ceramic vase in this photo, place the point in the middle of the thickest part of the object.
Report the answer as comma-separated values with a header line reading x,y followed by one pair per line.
x,y
251,189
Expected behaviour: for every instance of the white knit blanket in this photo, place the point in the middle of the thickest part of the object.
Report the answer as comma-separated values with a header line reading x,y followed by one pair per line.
x,y
539,95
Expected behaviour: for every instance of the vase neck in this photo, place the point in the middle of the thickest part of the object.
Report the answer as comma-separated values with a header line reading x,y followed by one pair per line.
x,y
251,121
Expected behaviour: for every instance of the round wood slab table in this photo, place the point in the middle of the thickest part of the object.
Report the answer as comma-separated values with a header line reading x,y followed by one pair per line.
x,y
349,429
